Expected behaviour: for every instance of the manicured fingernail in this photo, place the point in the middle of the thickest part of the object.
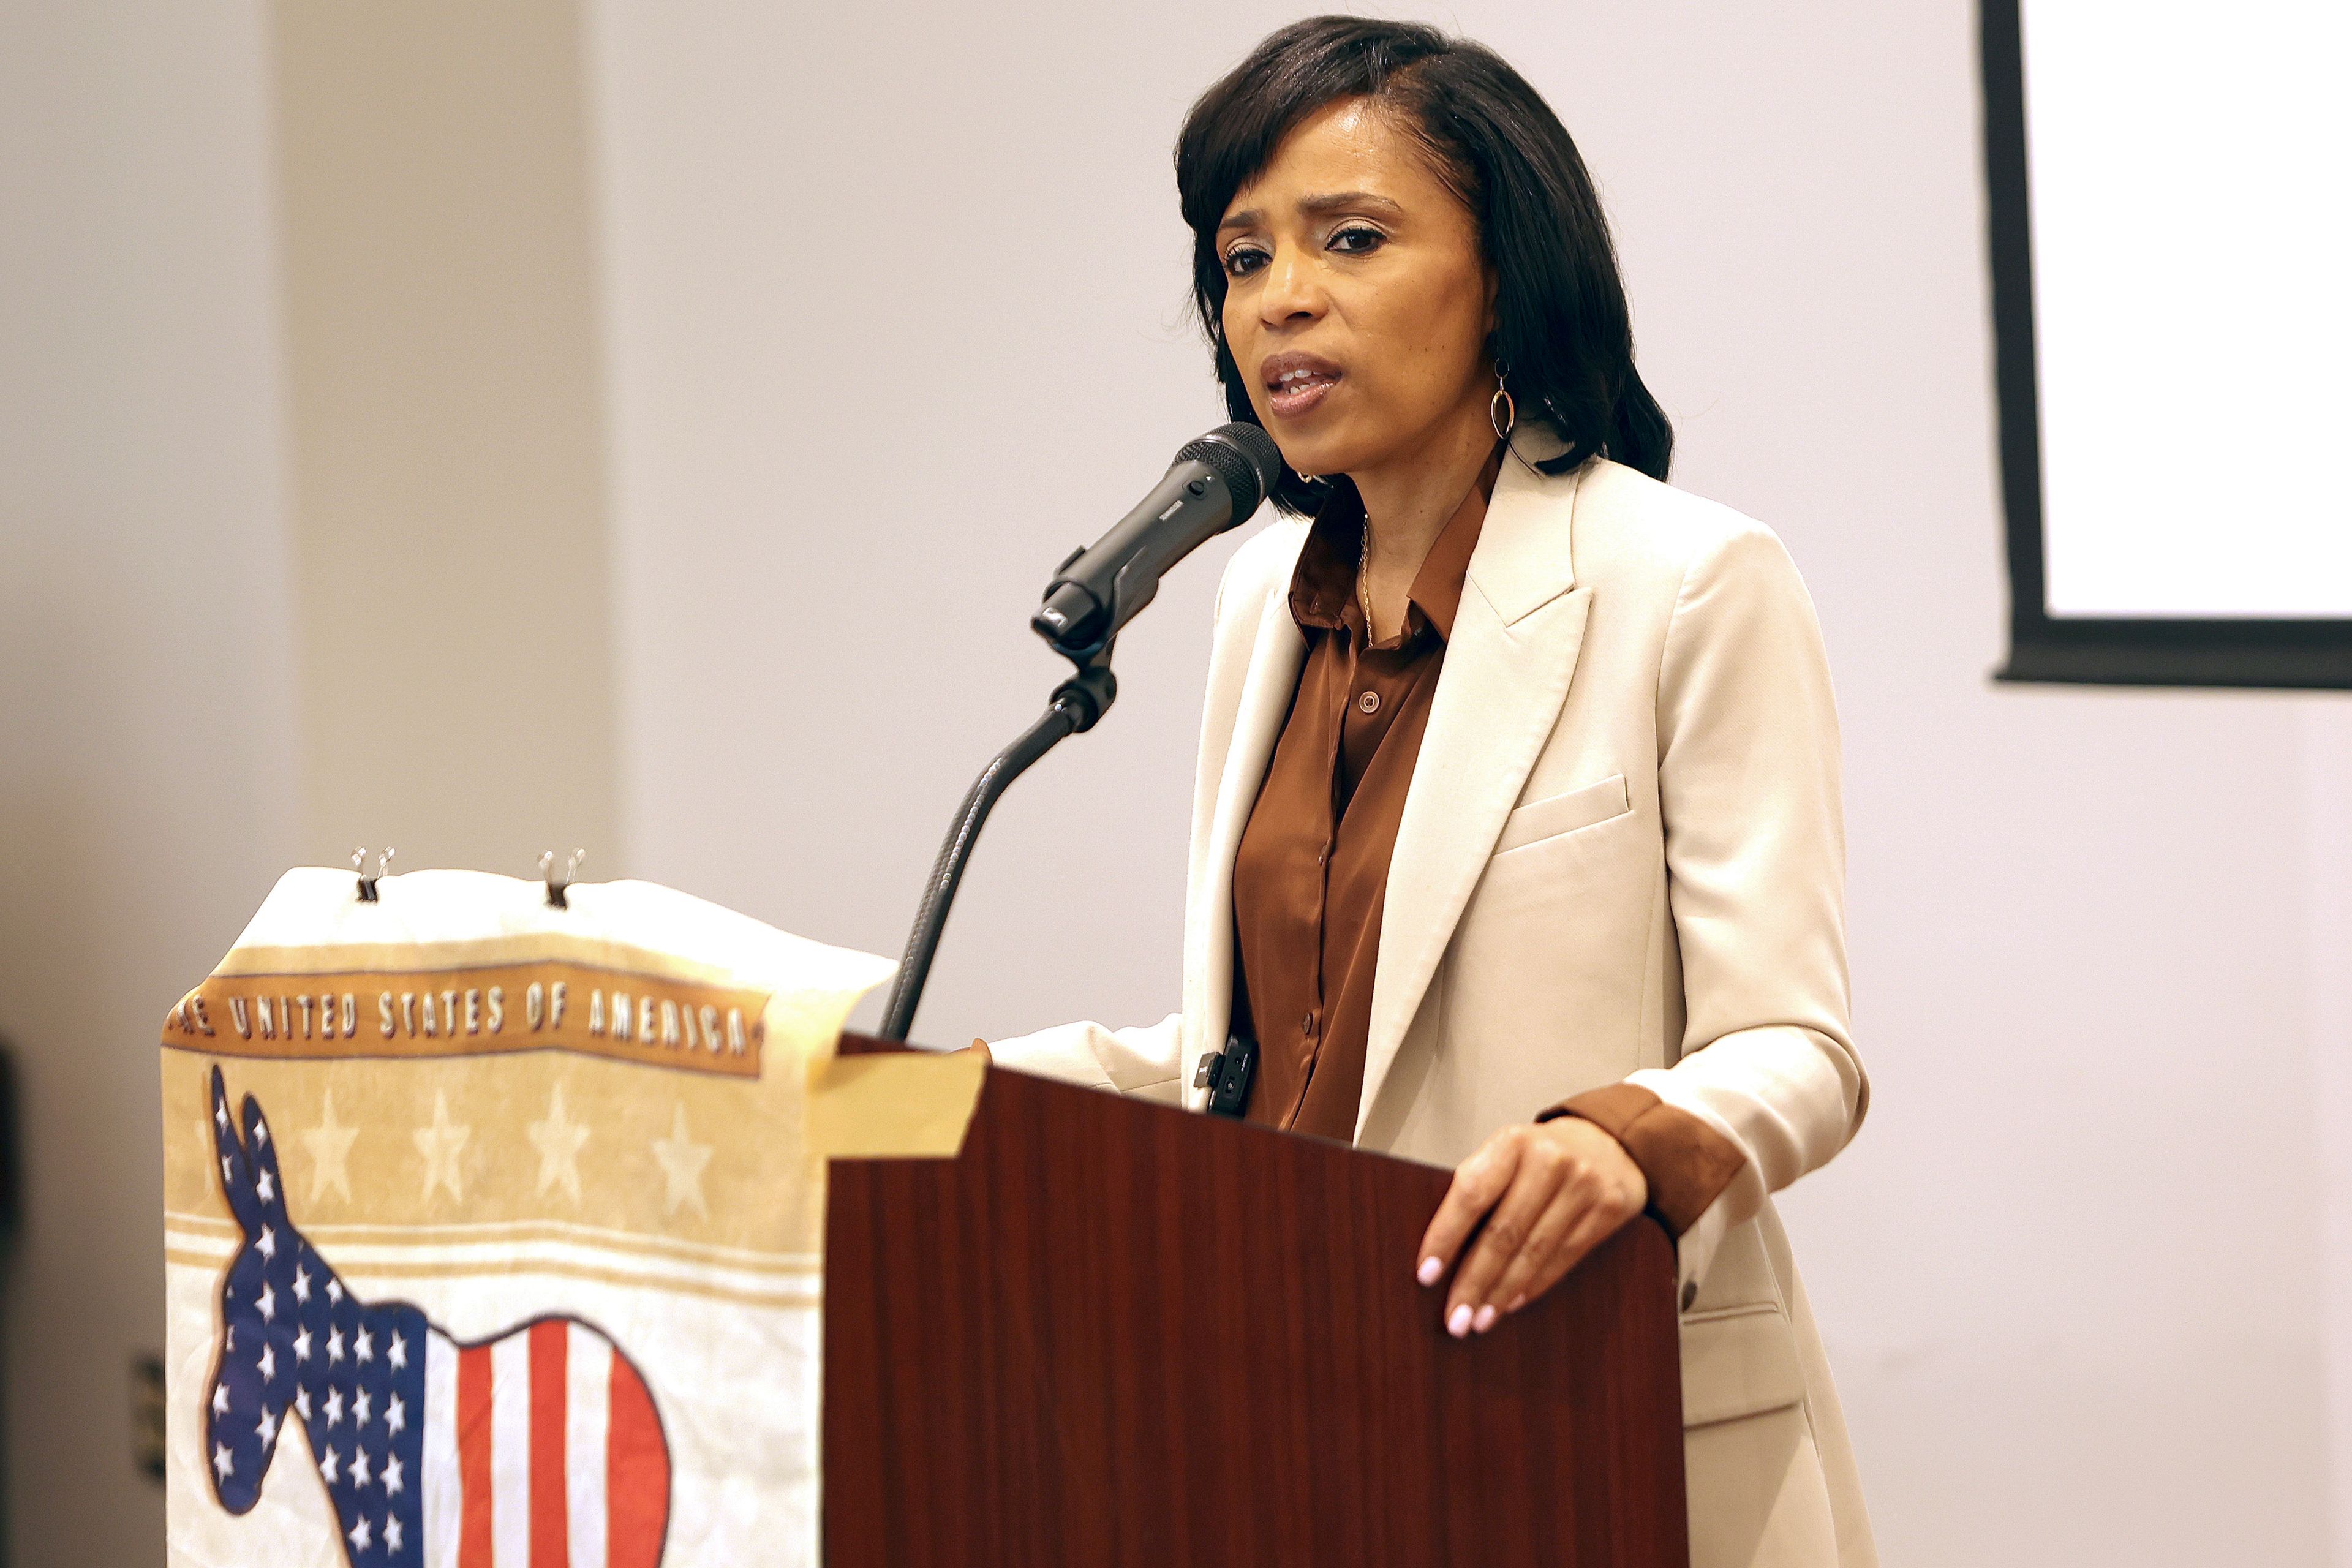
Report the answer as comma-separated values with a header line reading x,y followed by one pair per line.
x,y
1431,1268
1517,1302
1485,1319
1459,1323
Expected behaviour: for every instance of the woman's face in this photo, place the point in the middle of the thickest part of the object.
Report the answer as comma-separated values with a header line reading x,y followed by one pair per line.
x,y
1357,303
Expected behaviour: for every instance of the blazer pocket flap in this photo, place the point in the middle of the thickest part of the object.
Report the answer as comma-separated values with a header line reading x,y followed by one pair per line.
x,y
1742,1362
1565,813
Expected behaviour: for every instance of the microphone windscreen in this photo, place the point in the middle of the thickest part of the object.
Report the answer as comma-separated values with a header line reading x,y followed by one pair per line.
x,y
1244,456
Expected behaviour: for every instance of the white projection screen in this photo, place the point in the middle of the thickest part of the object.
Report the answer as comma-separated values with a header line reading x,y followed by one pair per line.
x,y
2170,201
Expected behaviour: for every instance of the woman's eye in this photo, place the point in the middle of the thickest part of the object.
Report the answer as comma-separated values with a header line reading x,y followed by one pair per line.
x,y
1358,239
1243,258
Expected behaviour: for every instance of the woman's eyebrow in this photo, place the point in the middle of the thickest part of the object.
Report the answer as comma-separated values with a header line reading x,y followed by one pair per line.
x,y
1320,207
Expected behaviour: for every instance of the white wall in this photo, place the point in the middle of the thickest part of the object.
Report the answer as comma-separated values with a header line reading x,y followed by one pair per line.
x,y
446,477
894,319
2327,795
146,760
893,322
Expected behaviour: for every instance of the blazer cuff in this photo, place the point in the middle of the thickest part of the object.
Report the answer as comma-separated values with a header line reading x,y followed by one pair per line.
x,y
1065,1051
1686,1163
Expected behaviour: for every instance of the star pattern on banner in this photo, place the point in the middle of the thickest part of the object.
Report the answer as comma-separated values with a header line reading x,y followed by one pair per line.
x,y
440,1144
558,1141
331,1149
682,1161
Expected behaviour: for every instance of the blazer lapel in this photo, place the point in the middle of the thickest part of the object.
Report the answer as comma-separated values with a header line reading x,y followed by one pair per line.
x,y
1277,649
1506,672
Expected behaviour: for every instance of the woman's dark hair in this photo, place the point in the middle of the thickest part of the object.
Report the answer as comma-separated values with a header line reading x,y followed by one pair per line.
x,y
1563,328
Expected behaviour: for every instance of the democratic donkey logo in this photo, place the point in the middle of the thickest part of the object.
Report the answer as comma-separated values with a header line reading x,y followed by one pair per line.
x,y
539,1445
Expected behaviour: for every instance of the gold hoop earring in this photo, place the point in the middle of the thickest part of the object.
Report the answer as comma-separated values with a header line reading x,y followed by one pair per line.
x,y
1501,411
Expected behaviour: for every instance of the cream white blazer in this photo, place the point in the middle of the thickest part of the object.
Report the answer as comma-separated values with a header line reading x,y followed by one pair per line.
x,y
1622,855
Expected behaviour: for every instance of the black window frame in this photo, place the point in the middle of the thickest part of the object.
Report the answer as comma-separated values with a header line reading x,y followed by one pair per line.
x,y
2277,653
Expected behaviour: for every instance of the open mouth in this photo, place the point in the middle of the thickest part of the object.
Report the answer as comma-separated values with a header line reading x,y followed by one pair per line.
x,y
1297,391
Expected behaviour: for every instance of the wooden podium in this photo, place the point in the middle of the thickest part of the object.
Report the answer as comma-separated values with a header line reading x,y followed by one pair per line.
x,y
1111,1333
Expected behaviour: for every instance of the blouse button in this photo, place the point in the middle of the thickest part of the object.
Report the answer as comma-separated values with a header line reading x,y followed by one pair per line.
x,y
1307,1025
1369,702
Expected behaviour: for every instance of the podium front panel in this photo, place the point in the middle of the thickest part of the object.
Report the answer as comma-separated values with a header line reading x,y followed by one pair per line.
x,y
1116,1332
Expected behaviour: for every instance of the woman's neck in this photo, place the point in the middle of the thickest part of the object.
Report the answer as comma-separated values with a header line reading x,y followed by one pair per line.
x,y
1407,503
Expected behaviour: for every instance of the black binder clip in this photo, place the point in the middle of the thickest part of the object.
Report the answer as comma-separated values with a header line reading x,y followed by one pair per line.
x,y
1227,1075
367,883
559,892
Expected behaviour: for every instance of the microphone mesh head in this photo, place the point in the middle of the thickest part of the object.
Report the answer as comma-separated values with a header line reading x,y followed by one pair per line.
x,y
1244,456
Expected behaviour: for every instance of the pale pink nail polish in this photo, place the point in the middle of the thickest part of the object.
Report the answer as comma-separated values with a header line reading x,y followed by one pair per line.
x,y
1459,1323
1430,1269
1517,1302
1485,1319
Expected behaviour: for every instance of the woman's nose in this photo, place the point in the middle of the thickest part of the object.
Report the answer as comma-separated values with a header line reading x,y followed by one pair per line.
x,y
1293,288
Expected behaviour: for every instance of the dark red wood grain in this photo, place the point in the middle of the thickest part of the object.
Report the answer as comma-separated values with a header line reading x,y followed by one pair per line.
x,y
1114,1332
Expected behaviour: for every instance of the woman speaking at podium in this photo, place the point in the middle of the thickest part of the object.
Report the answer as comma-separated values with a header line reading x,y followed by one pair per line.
x,y
1517,845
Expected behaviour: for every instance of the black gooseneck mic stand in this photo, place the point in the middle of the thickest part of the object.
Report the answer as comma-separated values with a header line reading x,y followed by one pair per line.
x,y
1078,703
1215,482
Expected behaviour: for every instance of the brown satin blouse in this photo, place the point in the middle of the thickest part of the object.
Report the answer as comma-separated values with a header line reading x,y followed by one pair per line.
x,y
1311,873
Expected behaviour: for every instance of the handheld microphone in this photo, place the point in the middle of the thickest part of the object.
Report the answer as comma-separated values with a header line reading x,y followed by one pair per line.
x,y
1215,482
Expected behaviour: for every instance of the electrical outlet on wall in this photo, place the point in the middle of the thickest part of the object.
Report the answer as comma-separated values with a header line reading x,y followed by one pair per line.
x,y
147,1415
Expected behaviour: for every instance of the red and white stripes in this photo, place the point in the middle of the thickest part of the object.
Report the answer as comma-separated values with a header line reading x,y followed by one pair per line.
x,y
542,1450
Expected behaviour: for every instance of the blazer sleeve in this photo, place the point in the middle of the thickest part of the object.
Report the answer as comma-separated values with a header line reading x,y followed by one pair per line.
x,y
1141,1061
1750,793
